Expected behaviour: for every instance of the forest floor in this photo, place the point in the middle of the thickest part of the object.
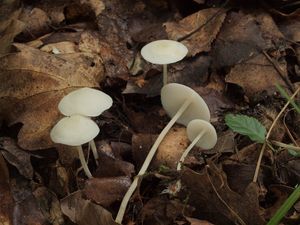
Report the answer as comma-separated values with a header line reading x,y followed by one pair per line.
x,y
243,59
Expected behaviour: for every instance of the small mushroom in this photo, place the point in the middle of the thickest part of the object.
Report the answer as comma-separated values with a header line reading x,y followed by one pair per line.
x,y
86,102
201,134
183,105
75,131
164,52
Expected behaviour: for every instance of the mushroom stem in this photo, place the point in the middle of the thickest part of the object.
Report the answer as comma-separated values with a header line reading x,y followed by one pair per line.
x,y
94,150
83,162
188,149
148,159
165,74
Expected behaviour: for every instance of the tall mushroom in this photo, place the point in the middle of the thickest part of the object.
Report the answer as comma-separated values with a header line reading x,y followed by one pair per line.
x,y
164,52
86,102
75,131
183,105
201,134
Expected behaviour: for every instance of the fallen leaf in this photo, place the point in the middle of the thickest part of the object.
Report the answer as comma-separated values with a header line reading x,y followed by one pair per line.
x,y
35,82
37,23
161,210
106,191
225,143
256,75
96,5
16,26
111,167
210,20
209,192
6,199
49,205
84,212
16,157
245,35
26,209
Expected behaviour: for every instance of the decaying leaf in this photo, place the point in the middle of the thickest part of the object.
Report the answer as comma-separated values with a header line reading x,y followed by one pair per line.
x,y
209,192
242,36
106,191
6,199
84,212
161,210
16,156
256,75
209,19
35,81
26,209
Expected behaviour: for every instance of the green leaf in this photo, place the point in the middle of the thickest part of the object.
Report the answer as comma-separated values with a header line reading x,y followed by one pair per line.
x,y
294,153
246,125
285,207
284,94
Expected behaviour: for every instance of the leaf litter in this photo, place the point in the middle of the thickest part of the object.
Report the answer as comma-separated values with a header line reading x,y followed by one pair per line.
x,y
237,54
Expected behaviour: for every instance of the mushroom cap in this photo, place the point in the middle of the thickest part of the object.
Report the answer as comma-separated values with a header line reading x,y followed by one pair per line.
x,y
74,130
209,138
174,95
85,101
164,52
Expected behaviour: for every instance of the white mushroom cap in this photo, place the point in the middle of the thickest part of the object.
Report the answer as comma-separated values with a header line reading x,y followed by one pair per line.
x,y
74,130
164,52
85,101
174,95
209,138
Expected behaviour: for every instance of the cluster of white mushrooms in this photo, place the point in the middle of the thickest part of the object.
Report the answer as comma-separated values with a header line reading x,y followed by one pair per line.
x,y
182,104
77,128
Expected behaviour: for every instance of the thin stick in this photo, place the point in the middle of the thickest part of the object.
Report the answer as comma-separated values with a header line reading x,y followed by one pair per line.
x,y
188,149
83,162
268,135
148,159
165,74
94,150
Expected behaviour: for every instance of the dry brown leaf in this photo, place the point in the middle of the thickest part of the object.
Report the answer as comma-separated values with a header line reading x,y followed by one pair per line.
x,y
209,192
64,47
162,210
16,157
27,209
35,81
96,5
171,148
106,191
211,19
37,23
84,212
6,199
244,35
111,167
16,26
256,75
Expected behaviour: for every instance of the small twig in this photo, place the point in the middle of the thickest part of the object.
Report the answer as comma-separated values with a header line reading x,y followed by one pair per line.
x,y
268,135
206,22
223,201
280,72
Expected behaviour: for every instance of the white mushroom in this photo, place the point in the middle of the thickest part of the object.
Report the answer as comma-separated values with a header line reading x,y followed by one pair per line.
x,y
86,102
75,130
201,134
183,105
164,52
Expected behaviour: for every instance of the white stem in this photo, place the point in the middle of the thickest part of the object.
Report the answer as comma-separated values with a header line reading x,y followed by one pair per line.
x,y
83,162
94,150
148,159
165,74
189,148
